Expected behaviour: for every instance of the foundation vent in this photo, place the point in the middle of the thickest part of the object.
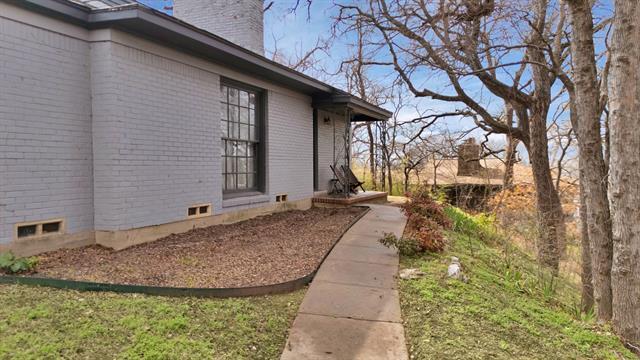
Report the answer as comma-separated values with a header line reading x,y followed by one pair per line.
x,y
39,228
281,198
199,210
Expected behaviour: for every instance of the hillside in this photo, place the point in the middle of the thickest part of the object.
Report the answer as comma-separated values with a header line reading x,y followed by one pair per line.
x,y
508,309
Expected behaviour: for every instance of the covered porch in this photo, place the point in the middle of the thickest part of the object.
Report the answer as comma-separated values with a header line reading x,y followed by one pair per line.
x,y
324,198
333,117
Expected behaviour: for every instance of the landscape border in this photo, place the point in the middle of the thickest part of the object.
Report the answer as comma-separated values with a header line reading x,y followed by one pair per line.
x,y
280,288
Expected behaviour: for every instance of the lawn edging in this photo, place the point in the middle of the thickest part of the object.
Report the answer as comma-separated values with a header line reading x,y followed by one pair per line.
x,y
280,288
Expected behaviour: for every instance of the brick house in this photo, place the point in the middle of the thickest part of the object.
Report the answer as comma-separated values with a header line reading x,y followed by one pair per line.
x,y
120,124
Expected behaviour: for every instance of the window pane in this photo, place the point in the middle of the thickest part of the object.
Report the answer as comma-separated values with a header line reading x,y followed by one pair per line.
x,y
233,130
233,113
244,132
223,93
253,132
241,149
251,164
231,149
252,101
244,98
242,181
244,115
233,96
252,117
251,150
231,165
251,181
231,181
242,165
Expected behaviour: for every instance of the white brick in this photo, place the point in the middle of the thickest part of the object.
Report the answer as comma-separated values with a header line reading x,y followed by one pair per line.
x,y
46,118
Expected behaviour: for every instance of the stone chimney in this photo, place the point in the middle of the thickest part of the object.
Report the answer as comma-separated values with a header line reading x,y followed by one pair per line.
x,y
239,21
469,158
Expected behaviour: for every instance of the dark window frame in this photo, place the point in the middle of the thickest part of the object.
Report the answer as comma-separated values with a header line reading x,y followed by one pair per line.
x,y
260,125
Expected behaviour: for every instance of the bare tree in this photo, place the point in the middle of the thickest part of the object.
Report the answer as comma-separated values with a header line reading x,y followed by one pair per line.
x,y
300,58
624,169
585,94
458,41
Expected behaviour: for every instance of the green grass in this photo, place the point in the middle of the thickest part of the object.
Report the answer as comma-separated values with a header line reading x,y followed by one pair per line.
x,y
44,323
509,309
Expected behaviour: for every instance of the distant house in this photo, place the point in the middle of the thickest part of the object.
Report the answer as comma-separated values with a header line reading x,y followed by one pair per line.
x,y
467,180
120,124
468,167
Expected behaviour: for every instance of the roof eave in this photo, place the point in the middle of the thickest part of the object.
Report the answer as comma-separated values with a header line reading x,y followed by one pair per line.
x,y
360,109
159,25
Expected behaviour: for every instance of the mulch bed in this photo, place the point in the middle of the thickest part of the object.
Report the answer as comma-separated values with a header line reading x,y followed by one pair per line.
x,y
265,250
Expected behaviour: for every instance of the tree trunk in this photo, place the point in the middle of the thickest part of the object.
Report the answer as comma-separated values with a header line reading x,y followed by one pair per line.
x,y
593,175
551,228
551,237
510,160
389,177
372,157
587,268
586,275
407,174
624,168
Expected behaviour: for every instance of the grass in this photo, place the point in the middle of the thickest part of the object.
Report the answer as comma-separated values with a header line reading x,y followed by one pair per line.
x,y
509,309
45,323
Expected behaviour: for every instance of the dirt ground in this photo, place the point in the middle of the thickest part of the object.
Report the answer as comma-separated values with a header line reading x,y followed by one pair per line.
x,y
266,250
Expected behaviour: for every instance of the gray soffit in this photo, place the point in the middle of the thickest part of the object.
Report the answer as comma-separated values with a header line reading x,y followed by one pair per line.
x,y
339,101
104,4
134,17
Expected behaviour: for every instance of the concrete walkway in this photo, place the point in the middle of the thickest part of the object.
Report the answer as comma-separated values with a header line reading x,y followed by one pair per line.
x,y
352,309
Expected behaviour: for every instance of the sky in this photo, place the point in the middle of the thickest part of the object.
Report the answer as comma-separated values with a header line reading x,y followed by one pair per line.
x,y
295,32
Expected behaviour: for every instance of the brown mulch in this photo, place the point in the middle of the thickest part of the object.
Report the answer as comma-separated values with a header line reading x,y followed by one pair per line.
x,y
265,250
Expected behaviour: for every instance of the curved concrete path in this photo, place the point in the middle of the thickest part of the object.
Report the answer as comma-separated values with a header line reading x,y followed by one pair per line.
x,y
352,308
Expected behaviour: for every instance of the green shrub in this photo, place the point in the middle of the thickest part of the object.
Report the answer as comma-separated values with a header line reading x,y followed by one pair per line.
x,y
11,264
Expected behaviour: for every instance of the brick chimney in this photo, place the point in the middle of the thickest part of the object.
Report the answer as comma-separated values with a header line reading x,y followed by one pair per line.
x,y
469,158
239,21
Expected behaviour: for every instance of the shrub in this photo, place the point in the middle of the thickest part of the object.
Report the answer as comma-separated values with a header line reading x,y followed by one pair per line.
x,y
427,233
422,205
426,220
11,264
405,246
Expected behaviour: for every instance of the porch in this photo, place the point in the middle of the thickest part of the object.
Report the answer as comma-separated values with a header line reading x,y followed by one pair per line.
x,y
323,198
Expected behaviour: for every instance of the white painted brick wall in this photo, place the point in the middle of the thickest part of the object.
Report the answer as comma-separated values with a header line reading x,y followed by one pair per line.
x,y
111,137
45,129
290,146
239,21
156,139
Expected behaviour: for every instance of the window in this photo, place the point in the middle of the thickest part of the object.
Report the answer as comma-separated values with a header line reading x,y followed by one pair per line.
x,y
241,137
